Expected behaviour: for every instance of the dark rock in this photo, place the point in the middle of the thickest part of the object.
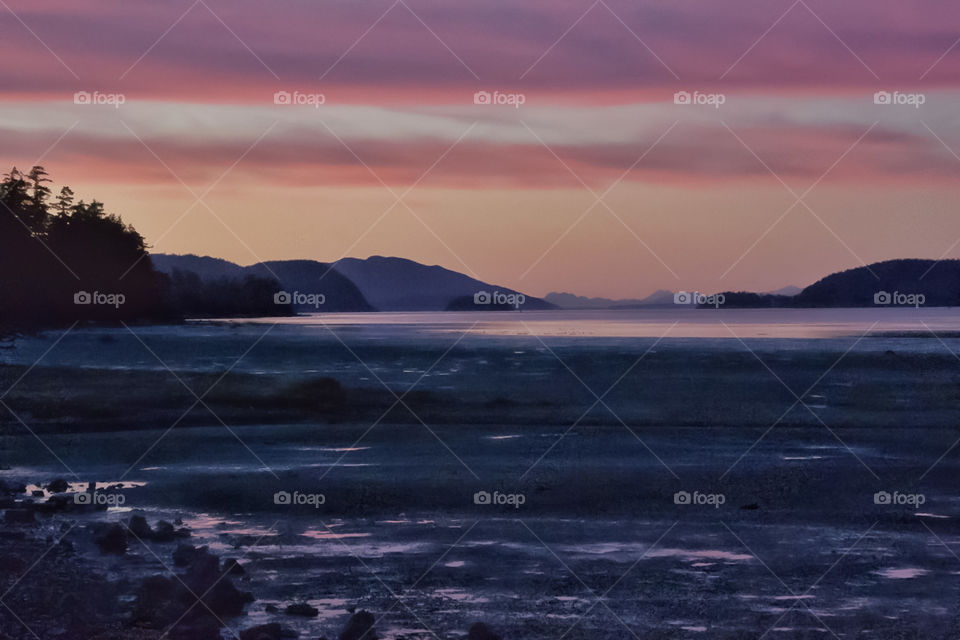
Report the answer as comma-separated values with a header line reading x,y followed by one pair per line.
x,y
58,486
753,506
38,493
184,555
196,629
271,608
158,602
112,539
7,488
301,609
18,516
359,627
164,532
232,567
59,502
203,569
272,631
480,631
140,528
203,577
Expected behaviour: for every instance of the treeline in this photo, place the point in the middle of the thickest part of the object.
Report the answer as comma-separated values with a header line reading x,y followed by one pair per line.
x,y
63,260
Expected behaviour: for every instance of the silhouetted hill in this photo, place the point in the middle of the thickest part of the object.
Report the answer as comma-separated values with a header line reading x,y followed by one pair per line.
x,y
310,277
204,266
310,285
398,284
904,282
938,282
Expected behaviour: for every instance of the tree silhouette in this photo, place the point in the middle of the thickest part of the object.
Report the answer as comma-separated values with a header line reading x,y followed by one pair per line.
x,y
63,262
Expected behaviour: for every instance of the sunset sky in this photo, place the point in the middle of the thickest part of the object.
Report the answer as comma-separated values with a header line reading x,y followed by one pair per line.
x,y
597,184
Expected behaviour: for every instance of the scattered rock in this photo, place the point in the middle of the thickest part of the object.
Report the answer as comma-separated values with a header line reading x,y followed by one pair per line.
x,y
359,627
480,631
111,539
58,486
164,532
753,506
232,567
184,555
271,608
272,631
140,528
302,609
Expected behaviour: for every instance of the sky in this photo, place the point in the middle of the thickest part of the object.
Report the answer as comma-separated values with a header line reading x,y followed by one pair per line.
x,y
600,147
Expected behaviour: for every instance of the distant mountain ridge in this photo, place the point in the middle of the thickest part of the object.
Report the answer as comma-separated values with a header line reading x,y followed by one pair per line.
x,y
304,277
354,284
399,284
572,301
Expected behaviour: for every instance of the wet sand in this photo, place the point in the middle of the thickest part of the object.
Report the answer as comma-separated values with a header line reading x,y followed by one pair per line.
x,y
698,500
